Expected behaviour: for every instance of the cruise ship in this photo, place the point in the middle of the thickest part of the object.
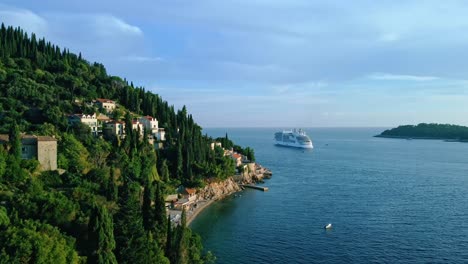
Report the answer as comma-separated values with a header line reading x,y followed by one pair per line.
x,y
293,138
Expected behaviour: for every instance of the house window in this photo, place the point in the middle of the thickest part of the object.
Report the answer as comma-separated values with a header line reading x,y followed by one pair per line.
x,y
23,149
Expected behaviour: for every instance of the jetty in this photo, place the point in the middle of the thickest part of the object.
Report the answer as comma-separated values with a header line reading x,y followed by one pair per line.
x,y
254,187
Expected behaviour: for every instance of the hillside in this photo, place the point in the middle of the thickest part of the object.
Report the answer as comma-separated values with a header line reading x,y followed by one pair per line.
x,y
428,131
105,203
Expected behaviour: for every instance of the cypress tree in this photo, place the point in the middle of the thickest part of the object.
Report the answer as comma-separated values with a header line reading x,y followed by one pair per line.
x,y
182,237
164,171
15,141
180,161
169,241
129,232
155,254
101,237
160,213
148,212
112,191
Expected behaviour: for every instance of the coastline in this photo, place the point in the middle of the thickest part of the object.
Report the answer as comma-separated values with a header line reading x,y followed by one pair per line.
x,y
217,190
427,138
192,215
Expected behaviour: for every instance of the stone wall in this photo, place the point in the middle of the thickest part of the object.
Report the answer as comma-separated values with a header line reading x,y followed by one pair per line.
x,y
47,154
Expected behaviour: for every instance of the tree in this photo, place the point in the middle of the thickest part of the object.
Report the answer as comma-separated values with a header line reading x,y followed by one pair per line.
x,y
147,209
169,241
164,171
101,236
4,219
15,141
160,213
180,162
129,231
3,160
155,253
34,242
99,150
181,243
112,190
249,152
74,153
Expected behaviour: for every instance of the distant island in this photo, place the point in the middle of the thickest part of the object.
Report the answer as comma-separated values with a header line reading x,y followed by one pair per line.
x,y
428,131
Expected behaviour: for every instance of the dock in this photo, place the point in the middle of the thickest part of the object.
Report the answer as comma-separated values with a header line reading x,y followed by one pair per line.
x,y
254,187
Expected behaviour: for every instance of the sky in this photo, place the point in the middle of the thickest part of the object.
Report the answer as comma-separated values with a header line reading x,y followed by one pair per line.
x,y
271,63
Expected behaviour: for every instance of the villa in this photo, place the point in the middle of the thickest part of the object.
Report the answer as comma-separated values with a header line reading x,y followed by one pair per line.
x,y
41,148
105,104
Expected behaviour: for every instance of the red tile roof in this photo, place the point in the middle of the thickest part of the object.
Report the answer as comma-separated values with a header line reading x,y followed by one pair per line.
x,y
103,100
190,190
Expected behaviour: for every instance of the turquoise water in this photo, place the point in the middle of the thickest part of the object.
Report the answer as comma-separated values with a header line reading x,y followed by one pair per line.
x,y
390,200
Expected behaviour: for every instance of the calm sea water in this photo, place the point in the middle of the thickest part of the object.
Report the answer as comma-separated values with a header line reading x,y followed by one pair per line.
x,y
390,201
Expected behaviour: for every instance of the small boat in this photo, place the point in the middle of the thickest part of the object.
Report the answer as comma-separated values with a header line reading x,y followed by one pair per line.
x,y
329,226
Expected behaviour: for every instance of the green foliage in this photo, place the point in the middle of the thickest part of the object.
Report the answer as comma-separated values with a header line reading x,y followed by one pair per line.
x,y
225,142
4,219
15,141
423,130
101,236
155,253
3,160
53,207
73,155
99,150
112,190
129,230
40,84
34,242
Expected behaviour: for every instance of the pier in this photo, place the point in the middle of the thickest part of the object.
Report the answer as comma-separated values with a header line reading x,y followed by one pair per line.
x,y
254,187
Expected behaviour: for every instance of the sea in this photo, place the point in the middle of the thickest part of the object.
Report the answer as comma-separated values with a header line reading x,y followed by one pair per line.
x,y
388,200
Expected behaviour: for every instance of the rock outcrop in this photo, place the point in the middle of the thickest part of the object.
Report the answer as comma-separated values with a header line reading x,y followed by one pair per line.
x,y
253,173
218,190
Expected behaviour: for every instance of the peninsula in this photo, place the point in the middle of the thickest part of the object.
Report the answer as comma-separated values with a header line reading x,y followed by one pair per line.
x,y
428,131
94,169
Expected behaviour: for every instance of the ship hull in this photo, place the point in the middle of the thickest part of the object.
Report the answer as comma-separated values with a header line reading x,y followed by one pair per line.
x,y
294,145
293,138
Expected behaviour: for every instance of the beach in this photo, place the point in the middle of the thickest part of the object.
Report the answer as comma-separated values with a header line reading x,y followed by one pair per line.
x,y
191,213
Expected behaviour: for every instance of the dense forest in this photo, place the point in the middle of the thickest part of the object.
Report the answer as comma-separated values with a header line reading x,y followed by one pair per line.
x,y
107,203
423,130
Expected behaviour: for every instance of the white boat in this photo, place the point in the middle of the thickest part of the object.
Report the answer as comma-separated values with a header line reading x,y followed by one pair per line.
x,y
329,226
293,138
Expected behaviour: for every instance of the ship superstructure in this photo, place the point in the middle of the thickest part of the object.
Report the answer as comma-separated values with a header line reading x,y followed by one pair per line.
x,y
293,138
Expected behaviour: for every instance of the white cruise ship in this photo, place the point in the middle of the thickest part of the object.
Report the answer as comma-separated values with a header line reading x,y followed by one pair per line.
x,y
293,138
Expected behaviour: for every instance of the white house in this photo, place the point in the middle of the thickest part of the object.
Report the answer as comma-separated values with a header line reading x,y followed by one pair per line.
x,y
105,104
89,120
150,123
136,125
237,159
115,128
161,135
215,144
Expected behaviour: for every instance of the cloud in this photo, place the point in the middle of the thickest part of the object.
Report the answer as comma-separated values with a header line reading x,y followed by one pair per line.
x,y
401,77
106,25
23,18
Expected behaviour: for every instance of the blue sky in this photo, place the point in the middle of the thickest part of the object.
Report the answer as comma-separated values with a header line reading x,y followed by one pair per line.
x,y
295,63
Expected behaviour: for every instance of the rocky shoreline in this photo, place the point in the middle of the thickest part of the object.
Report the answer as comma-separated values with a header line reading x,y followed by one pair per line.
x,y
217,190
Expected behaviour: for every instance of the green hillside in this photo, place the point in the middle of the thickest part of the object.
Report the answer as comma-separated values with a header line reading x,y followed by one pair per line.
x,y
107,203
429,131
